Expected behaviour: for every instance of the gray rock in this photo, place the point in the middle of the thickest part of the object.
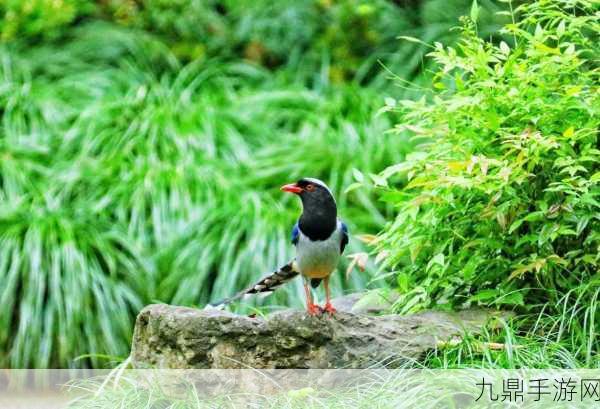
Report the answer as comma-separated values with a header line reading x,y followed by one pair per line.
x,y
366,302
177,337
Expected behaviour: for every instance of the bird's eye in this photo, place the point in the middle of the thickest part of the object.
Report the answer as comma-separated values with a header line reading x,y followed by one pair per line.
x,y
310,188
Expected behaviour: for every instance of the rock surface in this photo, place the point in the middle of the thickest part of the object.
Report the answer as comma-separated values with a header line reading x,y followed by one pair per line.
x,y
366,302
178,337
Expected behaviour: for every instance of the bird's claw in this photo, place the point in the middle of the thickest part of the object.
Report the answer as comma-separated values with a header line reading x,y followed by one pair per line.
x,y
329,308
314,309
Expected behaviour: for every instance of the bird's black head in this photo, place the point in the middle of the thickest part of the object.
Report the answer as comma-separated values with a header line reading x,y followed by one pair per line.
x,y
319,211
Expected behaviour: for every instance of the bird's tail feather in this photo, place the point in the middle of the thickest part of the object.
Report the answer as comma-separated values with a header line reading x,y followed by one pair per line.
x,y
265,286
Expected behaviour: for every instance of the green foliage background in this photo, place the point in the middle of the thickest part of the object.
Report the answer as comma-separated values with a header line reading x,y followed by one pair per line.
x,y
143,144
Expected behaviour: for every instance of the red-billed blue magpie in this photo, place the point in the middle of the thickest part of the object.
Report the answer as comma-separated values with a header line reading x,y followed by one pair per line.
x,y
320,238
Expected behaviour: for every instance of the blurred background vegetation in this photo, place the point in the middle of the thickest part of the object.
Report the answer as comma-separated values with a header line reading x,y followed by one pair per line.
x,y
143,144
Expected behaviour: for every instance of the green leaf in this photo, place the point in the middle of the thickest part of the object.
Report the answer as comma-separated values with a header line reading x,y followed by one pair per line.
x,y
413,40
474,11
515,225
438,259
378,180
485,295
560,30
403,282
353,186
514,298
358,176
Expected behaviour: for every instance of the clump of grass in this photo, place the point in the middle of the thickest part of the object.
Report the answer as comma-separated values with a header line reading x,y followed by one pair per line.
x,y
123,185
501,207
264,389
524,342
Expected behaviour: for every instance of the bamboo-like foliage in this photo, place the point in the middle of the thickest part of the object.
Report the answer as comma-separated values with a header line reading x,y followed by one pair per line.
x,y
502,207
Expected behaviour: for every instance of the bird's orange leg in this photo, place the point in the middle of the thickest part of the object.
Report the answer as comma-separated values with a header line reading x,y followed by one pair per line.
x,y
328,307
310,307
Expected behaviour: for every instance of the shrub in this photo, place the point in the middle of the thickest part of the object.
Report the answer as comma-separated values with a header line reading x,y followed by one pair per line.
x,y
501,206
344,40
269,33
38,18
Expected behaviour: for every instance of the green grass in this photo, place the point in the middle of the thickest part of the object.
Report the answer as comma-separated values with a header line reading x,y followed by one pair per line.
x,y
525,342
426,388
121,186
252,390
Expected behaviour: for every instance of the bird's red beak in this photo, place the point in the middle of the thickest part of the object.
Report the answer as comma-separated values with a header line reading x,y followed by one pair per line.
x,y
292,188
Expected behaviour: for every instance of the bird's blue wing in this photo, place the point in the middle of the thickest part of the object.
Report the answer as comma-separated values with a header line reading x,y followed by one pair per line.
x,y
295,234
344,240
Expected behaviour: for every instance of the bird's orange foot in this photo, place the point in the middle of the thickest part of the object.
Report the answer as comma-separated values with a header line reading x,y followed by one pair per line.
x,y
329,308
313,309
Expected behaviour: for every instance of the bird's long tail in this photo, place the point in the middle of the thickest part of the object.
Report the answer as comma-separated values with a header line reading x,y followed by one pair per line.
x,y
265,286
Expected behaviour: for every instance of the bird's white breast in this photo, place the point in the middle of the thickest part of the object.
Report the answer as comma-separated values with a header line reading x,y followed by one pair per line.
x,y
318,259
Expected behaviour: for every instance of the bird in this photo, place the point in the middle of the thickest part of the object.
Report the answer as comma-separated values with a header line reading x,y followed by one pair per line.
x,y
320,238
